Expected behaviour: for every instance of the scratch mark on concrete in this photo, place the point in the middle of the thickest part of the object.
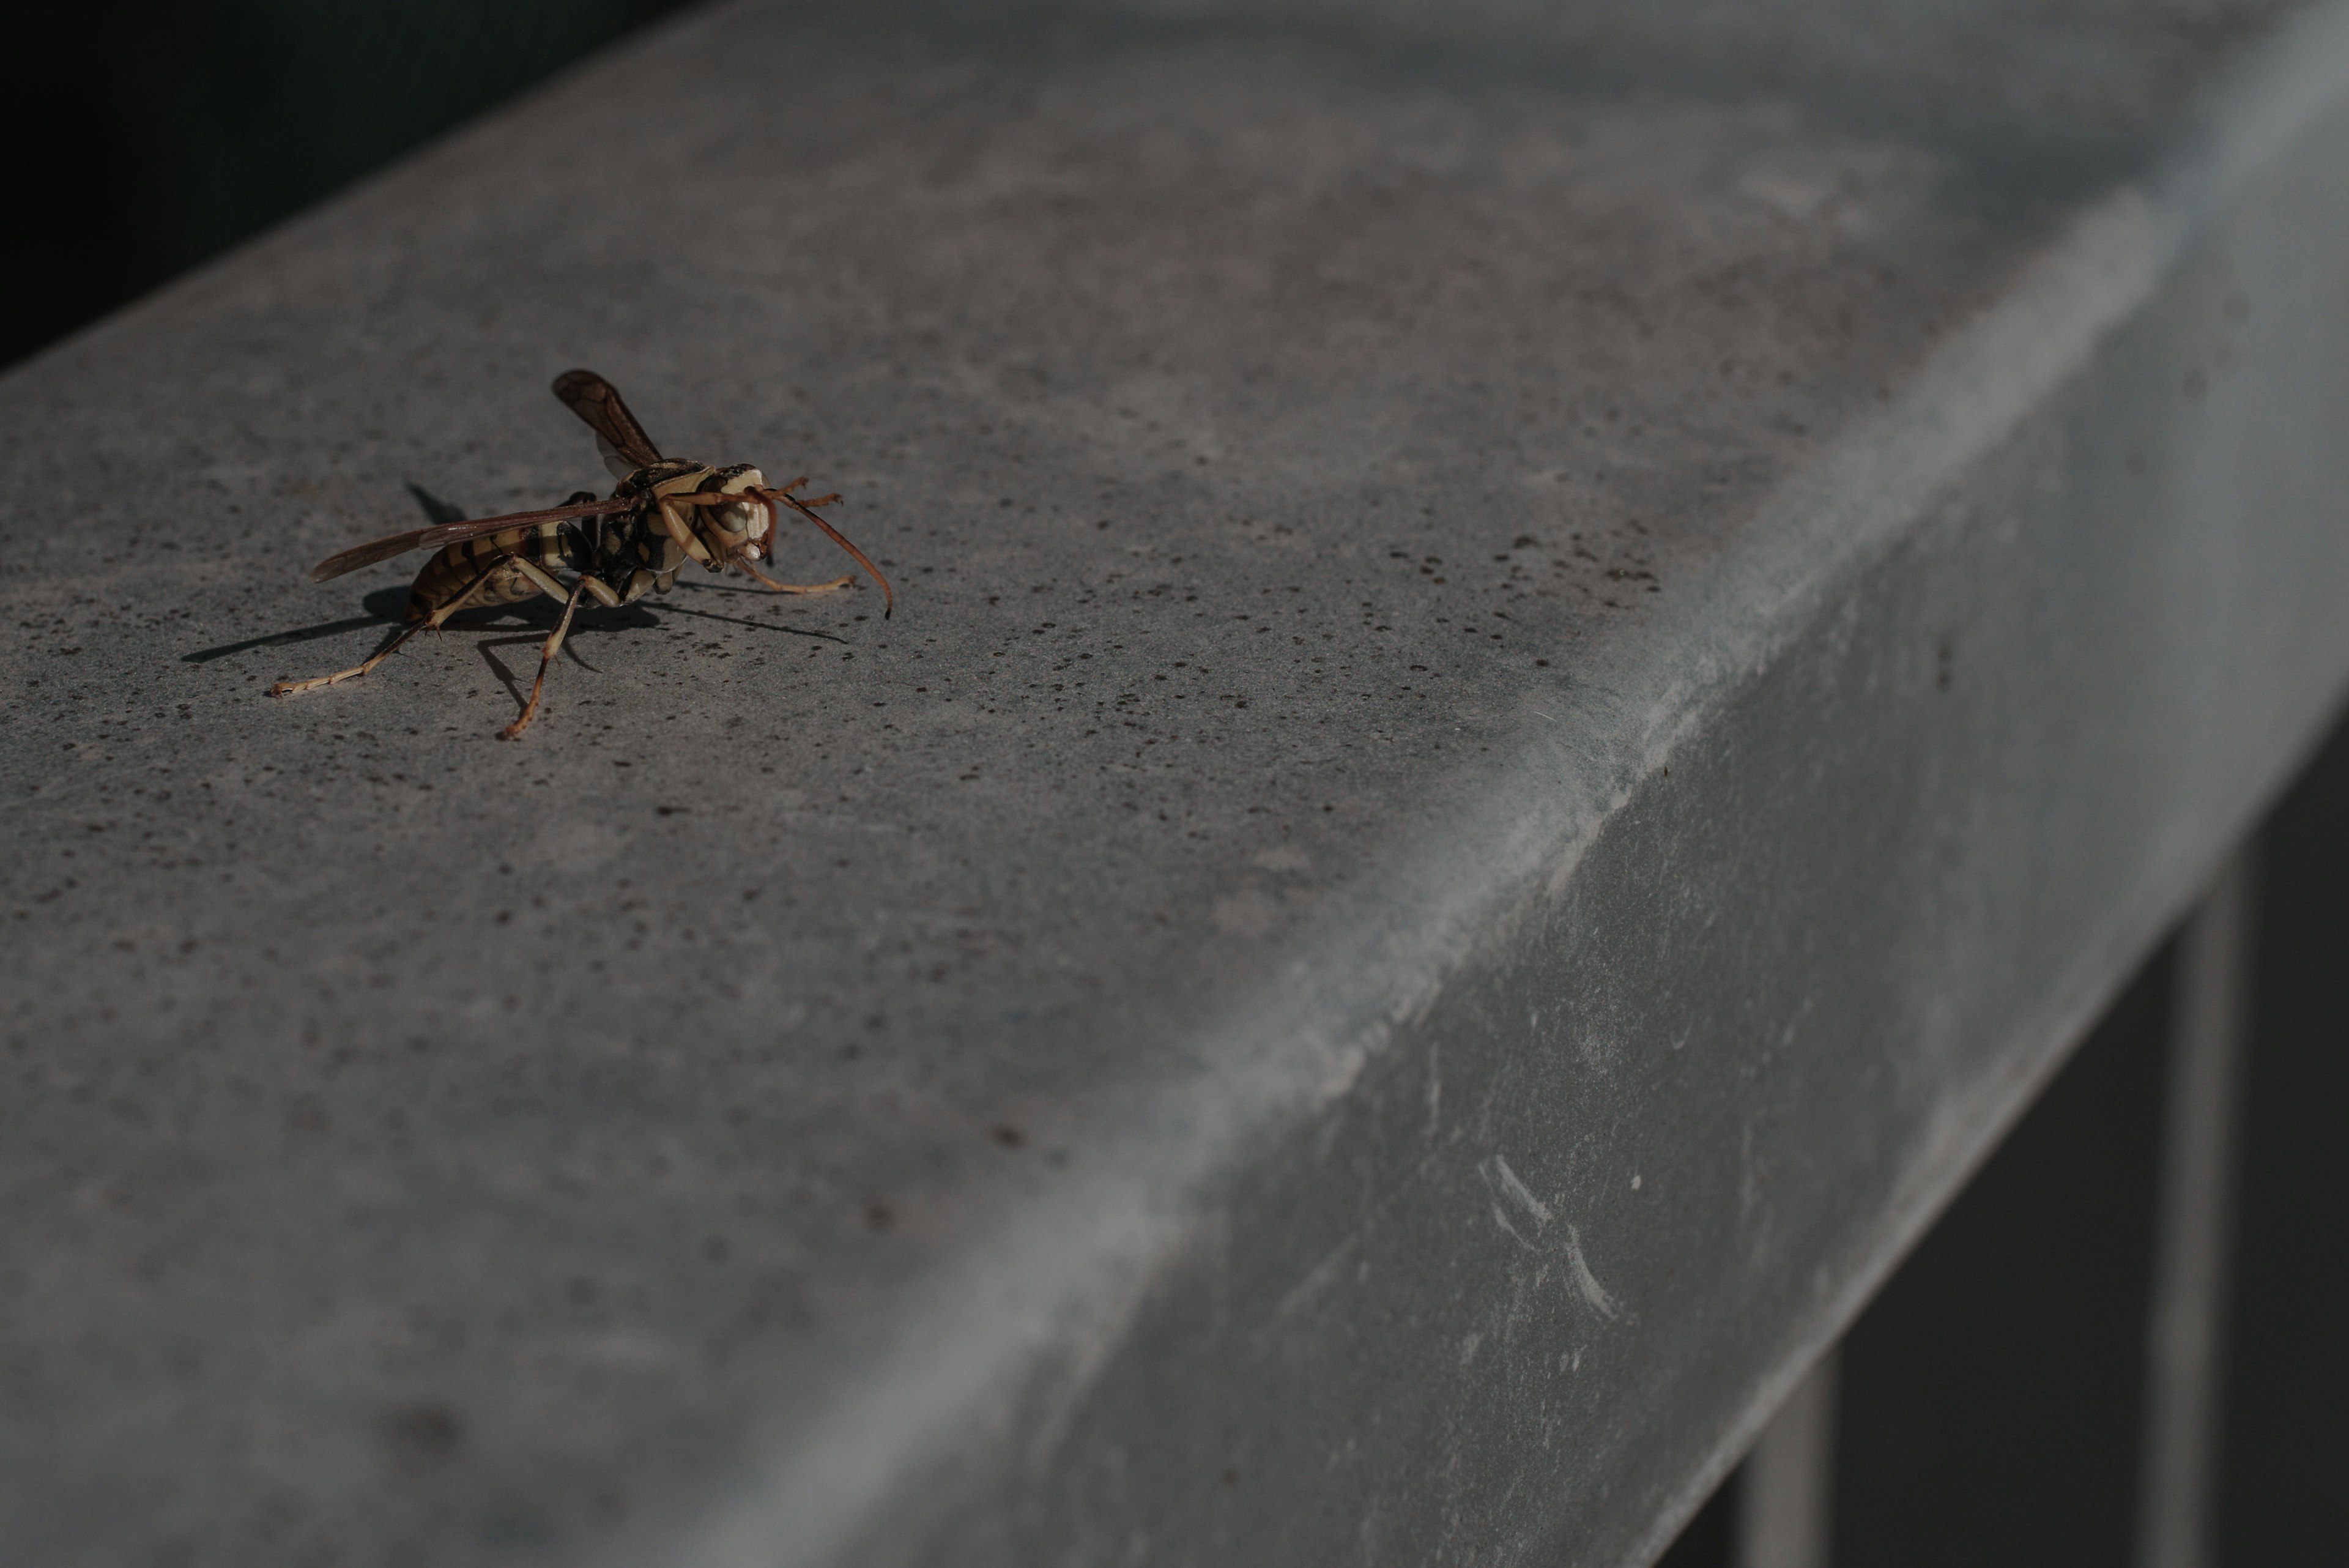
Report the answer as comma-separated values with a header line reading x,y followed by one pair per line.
x,y
1519,1190
1605,1305
1434,1086
1509,1185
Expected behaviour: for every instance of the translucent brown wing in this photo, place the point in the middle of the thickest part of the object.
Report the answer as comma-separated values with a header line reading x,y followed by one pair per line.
x,y
441,534
595,400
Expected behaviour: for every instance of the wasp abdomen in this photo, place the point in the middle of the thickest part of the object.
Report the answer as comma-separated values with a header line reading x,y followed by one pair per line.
x,y
483,571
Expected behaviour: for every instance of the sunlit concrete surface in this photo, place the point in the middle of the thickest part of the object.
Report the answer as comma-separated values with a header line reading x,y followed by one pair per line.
x,y
1540,667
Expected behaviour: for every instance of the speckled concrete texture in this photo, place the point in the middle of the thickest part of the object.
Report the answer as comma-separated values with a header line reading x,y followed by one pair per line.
x,y
1526,699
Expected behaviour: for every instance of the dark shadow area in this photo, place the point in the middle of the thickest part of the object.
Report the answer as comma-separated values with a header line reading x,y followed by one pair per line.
x,y
148,136
753,625
503,674
1993,1401
384,608
375,616
1709,1538
2281,1497
1992,1392
441,513
765,596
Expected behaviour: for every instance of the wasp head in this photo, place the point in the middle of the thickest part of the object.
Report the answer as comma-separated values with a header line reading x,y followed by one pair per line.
x,y
744,528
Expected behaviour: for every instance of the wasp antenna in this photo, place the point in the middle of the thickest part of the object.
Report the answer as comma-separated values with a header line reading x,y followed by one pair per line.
x,y
888,598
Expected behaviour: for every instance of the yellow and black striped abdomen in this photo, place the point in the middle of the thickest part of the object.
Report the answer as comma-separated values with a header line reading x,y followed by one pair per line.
x,y
483,571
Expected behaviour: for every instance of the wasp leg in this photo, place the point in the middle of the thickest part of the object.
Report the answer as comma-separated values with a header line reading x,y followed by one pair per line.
x,y
432,622
288,688
794,588
682,531
771,497
553,646
808,500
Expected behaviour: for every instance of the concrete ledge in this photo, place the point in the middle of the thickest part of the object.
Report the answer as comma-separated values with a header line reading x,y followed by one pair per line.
x,y
1528,701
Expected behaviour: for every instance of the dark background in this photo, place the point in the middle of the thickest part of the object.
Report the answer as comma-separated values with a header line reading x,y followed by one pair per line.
x,y
1992,1396
1991,1406
148,138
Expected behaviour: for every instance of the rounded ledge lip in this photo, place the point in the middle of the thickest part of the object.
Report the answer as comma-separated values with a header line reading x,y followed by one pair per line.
x,y
1047,1286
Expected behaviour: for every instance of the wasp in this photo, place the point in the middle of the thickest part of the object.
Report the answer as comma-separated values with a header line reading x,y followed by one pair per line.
x,y
664,513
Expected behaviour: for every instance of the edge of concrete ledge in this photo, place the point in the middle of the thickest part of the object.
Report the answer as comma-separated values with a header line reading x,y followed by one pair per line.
x,y
1039,1298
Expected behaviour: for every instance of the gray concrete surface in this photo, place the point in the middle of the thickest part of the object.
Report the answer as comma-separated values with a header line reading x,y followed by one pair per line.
x,y
1538,673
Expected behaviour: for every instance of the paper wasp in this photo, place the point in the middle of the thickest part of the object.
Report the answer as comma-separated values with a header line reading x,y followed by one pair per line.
x,y
664,513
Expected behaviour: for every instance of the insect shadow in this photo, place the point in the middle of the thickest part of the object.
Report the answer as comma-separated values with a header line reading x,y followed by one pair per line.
x,y
542,615
386,608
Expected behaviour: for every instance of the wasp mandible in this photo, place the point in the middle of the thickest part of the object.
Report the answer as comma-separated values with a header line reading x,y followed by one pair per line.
x,y
664,513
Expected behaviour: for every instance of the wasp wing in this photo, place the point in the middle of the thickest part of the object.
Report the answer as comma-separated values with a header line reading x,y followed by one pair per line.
x,y
615,462
618,434
368,554
441,534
